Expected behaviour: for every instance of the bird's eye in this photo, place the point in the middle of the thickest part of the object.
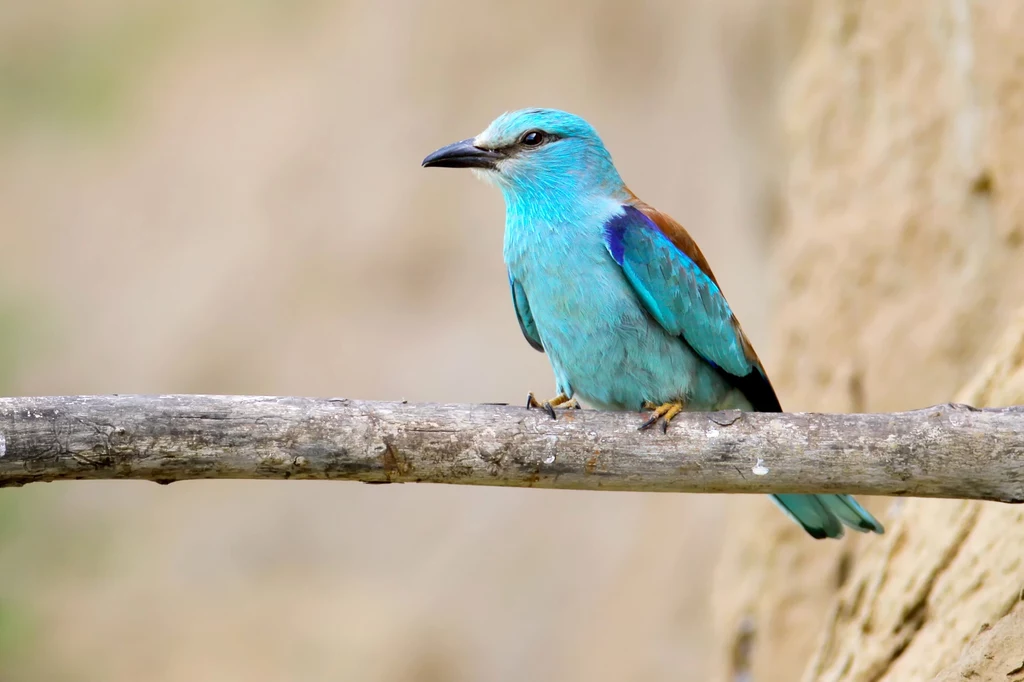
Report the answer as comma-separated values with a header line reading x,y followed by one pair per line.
x,y
532,138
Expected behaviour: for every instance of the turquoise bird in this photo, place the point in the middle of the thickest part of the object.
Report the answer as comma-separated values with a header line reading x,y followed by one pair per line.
x,y
616,293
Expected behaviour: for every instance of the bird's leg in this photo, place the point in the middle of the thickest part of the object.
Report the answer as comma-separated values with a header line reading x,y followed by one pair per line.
x,y
549,406
665,412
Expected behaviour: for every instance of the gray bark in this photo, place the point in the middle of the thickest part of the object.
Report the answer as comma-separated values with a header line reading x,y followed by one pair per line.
x,y
943,451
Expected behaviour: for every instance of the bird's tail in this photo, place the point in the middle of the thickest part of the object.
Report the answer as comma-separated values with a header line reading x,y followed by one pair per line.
x,y
823,516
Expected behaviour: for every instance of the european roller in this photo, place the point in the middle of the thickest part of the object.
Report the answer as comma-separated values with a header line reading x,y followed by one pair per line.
x,y
616,293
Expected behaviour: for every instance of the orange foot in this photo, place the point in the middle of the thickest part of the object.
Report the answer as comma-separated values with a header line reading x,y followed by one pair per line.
x,y
549,406
665,412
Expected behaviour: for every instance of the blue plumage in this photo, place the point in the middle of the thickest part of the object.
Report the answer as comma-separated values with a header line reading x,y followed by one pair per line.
x,y
675,291
617,294
523,314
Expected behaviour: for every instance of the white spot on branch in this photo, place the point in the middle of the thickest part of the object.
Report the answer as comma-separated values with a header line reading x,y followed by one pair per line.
x,y
760,469
712,433
3,445
550,459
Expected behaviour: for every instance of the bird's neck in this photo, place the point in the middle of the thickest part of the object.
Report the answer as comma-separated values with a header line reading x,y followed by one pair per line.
x,y
555,227
562,199
538,211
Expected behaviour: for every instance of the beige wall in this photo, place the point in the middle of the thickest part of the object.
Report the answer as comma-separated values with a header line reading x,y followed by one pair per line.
x,y
901,267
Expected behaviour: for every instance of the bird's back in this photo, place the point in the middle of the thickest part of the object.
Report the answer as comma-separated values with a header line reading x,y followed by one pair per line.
x,y
755,386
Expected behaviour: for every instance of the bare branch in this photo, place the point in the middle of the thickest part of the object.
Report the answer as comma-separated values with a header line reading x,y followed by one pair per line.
x,y
942,451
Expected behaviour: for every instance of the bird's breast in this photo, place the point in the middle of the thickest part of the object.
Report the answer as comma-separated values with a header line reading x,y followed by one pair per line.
x,y
564,268
587,315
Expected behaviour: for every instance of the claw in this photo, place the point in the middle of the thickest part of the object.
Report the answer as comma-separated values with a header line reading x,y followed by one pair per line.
x,y
665,412
550,405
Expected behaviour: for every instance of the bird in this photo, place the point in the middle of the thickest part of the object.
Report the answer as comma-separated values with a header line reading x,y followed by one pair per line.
x,y
618,294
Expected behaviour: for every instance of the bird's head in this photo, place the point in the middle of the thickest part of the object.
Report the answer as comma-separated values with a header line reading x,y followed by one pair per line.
x,y
534,154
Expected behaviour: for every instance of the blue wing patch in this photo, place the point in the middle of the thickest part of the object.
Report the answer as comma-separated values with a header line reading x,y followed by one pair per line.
x,y
676,292
523,314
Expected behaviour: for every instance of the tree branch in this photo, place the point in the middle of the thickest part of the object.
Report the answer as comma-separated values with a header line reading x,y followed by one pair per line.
x,y
942,451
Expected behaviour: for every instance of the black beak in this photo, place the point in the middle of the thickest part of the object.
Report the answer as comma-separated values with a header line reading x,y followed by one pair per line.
x,y
463,154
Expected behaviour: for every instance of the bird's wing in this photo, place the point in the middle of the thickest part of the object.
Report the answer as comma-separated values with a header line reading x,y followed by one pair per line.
x,y
674,283
523,314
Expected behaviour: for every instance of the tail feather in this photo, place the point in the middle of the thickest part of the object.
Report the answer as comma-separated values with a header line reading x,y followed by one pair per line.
x,y
849,511
823,516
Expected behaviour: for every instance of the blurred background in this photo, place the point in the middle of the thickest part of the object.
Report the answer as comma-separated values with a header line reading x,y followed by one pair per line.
x,y
226,198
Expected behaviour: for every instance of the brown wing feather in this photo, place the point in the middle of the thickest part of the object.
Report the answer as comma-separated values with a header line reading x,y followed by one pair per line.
x,y
677,234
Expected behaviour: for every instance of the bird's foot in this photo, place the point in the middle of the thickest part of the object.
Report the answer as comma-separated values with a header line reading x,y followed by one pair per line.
x,y
561,400
665,412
